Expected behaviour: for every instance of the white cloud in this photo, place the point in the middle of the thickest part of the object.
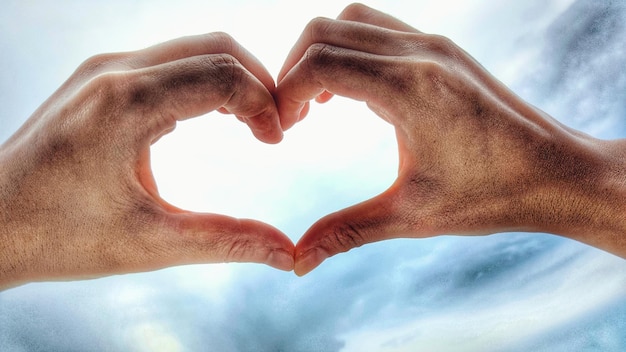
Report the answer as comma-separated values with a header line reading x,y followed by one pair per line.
x,y
544,304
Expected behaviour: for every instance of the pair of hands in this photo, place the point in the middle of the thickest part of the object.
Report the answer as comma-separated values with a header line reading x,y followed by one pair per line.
x,y
78,199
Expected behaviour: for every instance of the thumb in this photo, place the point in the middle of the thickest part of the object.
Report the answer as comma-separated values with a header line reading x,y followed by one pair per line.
x,y
194,238
190,237
374,220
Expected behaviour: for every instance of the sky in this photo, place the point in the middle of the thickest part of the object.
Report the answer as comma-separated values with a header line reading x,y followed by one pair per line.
x,y
506,292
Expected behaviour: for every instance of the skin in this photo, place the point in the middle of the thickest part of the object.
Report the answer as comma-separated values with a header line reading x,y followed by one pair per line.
x,y
78,199
474,158
77,195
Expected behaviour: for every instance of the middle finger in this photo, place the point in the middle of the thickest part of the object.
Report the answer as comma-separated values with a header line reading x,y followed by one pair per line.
x,y
350,35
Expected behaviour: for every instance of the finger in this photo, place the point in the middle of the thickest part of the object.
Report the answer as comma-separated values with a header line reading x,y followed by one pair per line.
x,y
324,97
365,14
350,35
374,220
163,94
359,28
199,45
340,71
174,50
216,43
349,32
360,37
193,238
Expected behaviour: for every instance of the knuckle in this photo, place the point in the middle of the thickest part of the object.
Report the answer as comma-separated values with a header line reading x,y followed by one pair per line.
x,y
355,12
108,88
224,71
220,41
99,63
236,250
327,62
431,45
319,27
433,78
108,82
344,237
442,45
319,55
222,61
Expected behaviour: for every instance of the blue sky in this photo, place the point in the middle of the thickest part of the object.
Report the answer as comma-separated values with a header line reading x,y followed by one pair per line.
x,y
507,292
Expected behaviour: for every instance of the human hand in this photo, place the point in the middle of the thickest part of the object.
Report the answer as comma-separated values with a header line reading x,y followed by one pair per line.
x,y
473,157
77,195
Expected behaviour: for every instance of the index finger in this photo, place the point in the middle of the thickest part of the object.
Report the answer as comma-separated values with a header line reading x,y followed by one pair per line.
x,y
353,13
265,126
364,14
198,45
375,79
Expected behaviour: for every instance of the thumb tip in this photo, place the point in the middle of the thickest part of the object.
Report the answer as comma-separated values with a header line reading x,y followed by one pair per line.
x,y
281,259
292,112
309,260
272,137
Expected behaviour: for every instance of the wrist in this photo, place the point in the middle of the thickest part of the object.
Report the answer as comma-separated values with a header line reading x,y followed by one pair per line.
x,y
12,228
581,193
7,265
608,221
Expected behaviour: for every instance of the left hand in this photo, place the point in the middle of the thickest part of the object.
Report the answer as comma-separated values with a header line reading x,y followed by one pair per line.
x,y
474,158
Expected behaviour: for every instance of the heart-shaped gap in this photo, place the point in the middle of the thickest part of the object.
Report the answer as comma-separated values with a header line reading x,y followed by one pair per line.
x,y
339,155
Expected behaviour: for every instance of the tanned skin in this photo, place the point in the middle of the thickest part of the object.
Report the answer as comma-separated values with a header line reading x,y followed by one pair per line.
x,y
77,196
475,159
78,199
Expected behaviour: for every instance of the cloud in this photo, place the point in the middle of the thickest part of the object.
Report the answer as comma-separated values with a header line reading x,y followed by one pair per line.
x,y
579,75
591,333
526,305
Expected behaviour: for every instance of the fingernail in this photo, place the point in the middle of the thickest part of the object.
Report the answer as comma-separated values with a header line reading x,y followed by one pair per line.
x,y
280,259
309,260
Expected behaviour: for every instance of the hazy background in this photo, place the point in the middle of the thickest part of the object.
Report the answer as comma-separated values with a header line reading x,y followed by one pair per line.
x,y
508,292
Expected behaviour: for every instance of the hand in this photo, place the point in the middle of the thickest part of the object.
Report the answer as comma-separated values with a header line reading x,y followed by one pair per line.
x,y
474,158
77,195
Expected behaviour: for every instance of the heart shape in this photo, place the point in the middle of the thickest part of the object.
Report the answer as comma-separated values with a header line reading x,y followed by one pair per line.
x,y
473,157
257,180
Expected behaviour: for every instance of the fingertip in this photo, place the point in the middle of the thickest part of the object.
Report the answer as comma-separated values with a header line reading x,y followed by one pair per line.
x,y
291,113
308,260
273,136
265,127
354,10
324,97
281,259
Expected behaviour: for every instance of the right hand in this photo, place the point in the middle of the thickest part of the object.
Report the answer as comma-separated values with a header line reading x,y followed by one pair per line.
x,y
77,194
474,158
